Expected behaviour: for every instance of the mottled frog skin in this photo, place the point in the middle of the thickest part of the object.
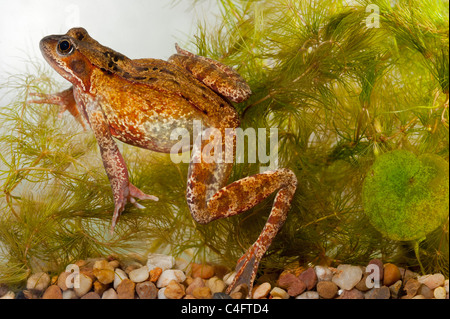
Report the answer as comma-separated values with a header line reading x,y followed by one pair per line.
x,y
140,102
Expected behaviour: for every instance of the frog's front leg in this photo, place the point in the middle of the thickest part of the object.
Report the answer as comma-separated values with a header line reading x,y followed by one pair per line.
x,y
64,99
114,164
209,199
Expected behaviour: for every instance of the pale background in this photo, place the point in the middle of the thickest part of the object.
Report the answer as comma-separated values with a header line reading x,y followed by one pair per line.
x,y
135,28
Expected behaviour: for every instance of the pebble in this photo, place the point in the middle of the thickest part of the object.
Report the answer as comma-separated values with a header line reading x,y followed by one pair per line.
x,y
69,294
425,291
411,287
395,289
323,273
280,293
119,275
139,275
203,271
202,293
309,277
347,276
125,290
110,294
161,261
61,282
100,288
221,295
228,278
195,283
103,271
308,295
351,294
155,273
38,281
440,293
446,285
174,290
9,295
85,285
168,275
327,289
378,293
3,289
216,285
91,295
292,283
262,291
161,294
419,297
146,290
391,274
432,281
53,292
362,284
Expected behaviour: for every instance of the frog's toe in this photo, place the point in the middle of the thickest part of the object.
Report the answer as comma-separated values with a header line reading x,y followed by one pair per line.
x,y
245,271
137,193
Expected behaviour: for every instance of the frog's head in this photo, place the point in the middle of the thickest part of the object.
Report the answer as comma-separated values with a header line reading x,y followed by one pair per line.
x,y
63,53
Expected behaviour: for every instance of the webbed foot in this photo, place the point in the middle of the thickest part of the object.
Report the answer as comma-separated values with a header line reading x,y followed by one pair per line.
x,y
129,194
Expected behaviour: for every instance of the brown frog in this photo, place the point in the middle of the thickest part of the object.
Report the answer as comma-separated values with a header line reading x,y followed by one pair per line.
x,y
140,102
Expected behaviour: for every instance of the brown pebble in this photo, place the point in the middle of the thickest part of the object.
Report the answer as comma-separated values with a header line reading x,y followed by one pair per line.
x,y
351,294
91,295
100,288
195,283
174,290
125,290
327,289
146,290
52,292
203,271
309,277
391,274
202,293
411,287
293,284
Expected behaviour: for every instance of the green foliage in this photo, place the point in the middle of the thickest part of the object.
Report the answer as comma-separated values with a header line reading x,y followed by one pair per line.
x,y
339,93
406,197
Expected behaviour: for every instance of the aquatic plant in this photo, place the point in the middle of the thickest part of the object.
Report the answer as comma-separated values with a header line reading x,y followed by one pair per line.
x,y
342,84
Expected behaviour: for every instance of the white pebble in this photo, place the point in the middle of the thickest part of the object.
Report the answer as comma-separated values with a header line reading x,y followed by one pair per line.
x,y
38,281
323,273
446,285
439,293
347,276
9,295
139,275
432,281
159,260
85,285
228,278
161,294
308,295
169,275
69,294
110,294
280,293
119,275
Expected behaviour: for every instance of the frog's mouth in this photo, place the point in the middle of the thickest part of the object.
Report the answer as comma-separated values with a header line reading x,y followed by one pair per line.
x,y
50,49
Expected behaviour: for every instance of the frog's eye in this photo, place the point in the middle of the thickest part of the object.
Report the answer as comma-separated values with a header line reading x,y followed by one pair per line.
x,y
65,47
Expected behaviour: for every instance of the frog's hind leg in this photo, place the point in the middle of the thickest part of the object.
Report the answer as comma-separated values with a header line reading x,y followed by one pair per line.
x,y
238,197
217,76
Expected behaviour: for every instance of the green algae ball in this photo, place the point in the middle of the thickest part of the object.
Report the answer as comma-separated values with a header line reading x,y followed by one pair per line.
x,y
405,196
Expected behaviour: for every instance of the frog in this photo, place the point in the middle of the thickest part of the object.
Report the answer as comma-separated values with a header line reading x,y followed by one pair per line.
x,y
140,102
